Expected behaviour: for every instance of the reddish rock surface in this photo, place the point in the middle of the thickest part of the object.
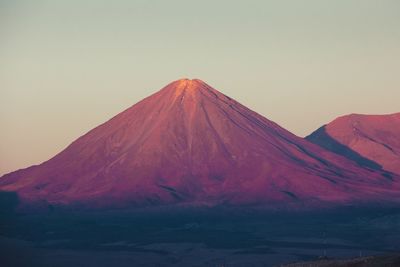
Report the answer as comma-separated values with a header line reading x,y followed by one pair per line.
x,y
190,144
374,137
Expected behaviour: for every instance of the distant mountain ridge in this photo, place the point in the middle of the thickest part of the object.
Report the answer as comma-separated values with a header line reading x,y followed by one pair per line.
x,y
370,140
189,144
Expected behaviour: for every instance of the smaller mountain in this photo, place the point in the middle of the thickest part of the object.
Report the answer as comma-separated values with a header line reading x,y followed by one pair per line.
x,y
370,140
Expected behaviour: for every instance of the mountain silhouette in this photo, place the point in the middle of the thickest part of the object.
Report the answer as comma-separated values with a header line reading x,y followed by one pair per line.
x,y
191,145
370,140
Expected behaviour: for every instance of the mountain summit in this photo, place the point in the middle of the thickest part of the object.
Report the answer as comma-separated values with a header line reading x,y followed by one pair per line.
x,y
189,144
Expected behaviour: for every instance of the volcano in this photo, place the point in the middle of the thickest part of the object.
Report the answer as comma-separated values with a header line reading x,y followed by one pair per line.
x,y
370,139
191,145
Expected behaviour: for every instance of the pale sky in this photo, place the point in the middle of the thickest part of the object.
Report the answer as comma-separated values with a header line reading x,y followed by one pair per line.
x,y
67,66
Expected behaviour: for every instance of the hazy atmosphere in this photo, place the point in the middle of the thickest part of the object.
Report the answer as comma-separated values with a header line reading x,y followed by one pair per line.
x,y
67,66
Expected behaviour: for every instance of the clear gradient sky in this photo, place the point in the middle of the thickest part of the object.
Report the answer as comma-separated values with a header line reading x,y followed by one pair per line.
x,y
67,66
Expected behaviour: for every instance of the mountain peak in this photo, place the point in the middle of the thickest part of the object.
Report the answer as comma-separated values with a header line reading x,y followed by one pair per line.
x,y
190,84
189,144
186,87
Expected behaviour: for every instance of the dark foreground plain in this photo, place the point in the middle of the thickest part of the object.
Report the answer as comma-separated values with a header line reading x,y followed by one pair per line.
x,y
216,237
390,260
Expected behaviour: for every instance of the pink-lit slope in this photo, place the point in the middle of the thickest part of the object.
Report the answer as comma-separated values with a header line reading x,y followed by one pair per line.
x,y
190,144
375,137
